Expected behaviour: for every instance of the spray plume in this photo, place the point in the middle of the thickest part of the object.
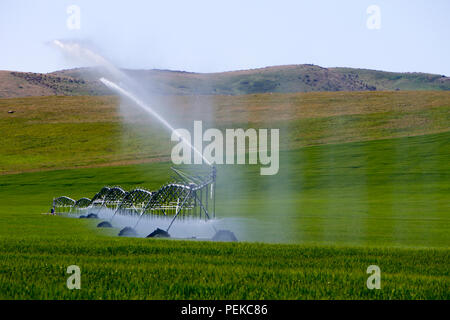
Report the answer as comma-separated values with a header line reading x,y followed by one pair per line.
x,y
149,110
87,56
83,54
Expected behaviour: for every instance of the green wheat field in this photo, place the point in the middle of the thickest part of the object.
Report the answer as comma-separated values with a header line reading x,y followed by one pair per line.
x,y
364,180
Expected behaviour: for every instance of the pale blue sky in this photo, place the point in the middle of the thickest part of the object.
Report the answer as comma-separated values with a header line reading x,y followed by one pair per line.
x,y
210,36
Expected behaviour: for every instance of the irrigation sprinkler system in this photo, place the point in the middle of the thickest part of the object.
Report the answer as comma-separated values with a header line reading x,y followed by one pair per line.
x,y
188,196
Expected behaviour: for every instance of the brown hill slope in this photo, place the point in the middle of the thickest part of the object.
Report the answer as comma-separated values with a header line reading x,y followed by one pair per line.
x,y
290,78
13,86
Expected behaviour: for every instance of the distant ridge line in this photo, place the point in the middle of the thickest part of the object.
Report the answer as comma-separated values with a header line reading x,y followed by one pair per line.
x,y
276,79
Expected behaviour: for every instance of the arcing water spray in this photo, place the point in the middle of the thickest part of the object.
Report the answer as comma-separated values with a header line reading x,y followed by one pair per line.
x,y
149,110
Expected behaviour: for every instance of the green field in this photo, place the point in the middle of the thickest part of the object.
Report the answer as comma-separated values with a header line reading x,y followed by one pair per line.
x,y
364,179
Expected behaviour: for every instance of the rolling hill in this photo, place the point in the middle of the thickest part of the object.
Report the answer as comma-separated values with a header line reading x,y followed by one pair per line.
x,y
280,79
43,131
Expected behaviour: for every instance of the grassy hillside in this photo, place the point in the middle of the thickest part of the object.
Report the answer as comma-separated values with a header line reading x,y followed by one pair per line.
x,y
398,80
44,132
289,78
364,179
283,79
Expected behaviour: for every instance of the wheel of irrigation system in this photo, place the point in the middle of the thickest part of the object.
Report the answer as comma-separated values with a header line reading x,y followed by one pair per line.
x,y
159,233
128,232
104,224
224,235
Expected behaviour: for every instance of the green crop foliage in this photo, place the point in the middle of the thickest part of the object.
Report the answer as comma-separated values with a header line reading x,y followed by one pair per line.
x,y
372,193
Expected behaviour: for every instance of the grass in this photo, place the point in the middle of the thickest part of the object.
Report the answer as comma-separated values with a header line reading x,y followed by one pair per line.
x,y
64,132
375,192
114,268
385,192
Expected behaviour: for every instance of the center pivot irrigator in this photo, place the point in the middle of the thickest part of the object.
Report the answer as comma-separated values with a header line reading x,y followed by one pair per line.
x,y
184,198
188,197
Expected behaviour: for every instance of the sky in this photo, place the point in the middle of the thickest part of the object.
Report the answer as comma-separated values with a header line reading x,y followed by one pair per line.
x,y
215,36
